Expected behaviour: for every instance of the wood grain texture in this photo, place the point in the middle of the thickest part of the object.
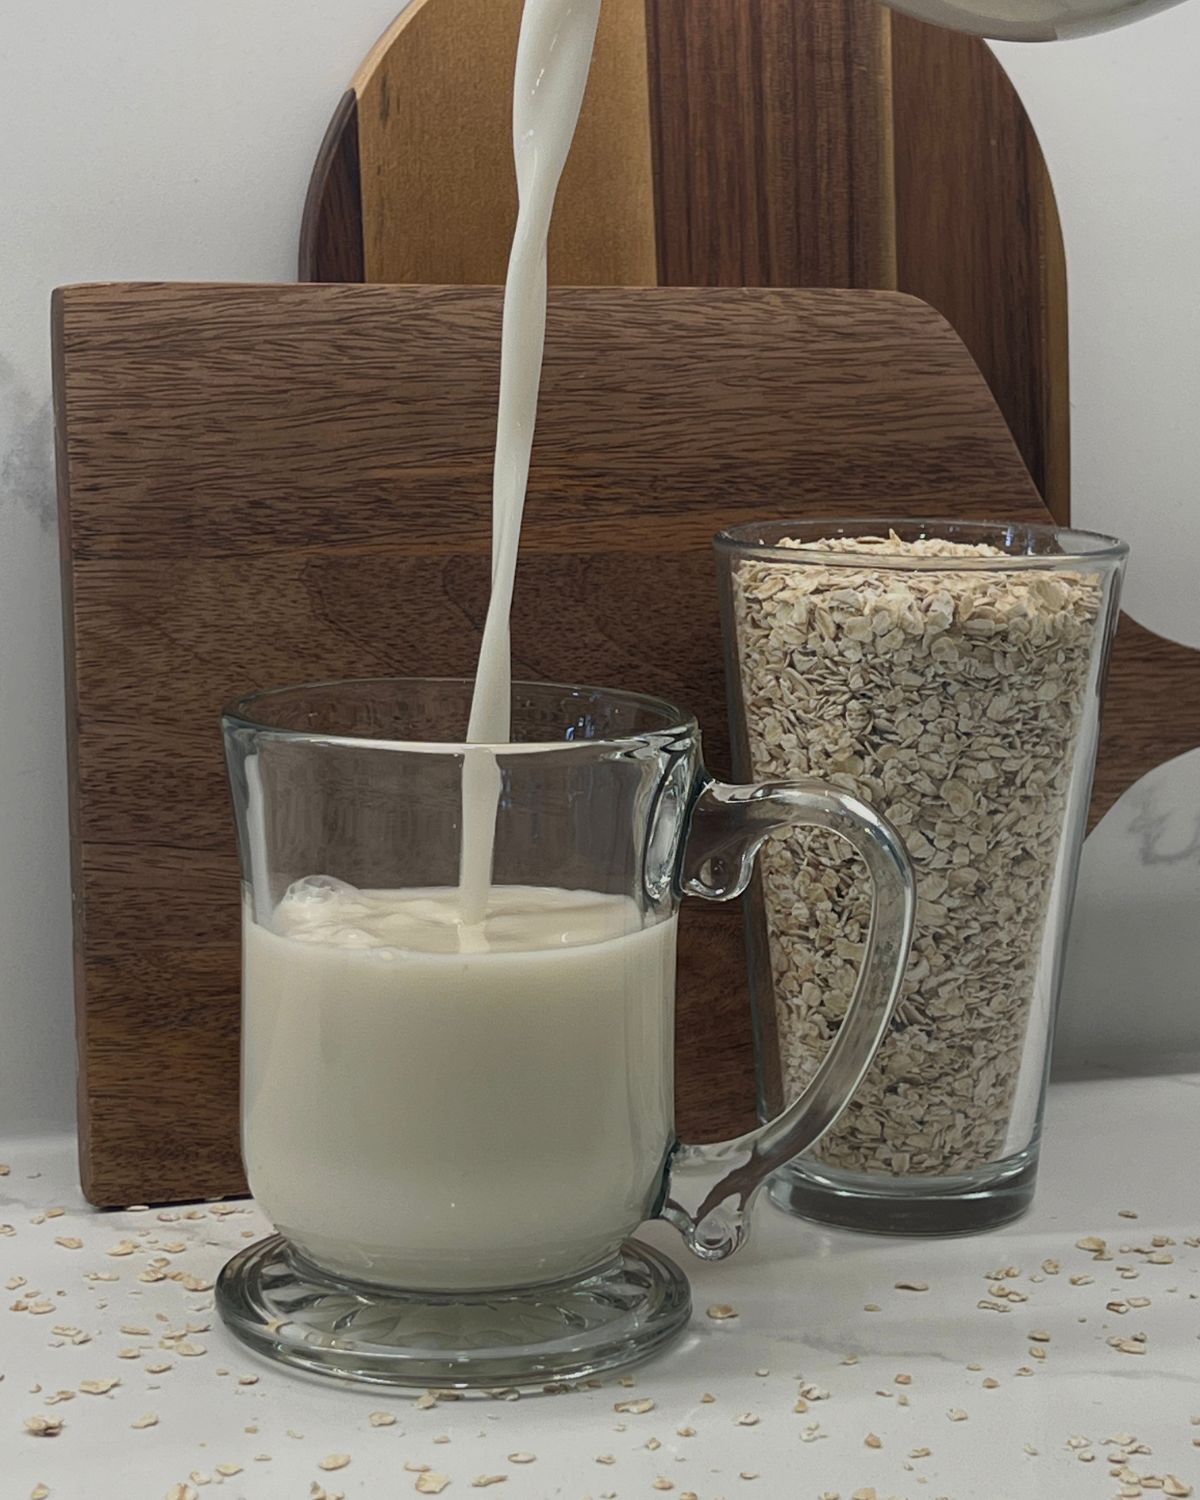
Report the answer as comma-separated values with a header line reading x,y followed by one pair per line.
x,y
977,233
435,129
223,531
765,143
770,143
1152,712
331,229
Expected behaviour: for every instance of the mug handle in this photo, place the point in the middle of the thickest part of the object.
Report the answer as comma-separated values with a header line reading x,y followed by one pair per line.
x,y
726,828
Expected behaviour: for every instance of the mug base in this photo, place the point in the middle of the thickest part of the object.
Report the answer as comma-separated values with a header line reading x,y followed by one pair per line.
x,y
287,1310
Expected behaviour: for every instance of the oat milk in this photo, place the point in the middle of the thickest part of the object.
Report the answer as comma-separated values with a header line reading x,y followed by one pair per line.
x,y
428,1118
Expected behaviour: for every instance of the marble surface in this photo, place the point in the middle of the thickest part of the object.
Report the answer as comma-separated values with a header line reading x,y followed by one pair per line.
x,y
1040,1416
1133,957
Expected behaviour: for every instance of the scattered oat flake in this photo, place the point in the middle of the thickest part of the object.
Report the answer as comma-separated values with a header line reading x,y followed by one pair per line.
x,y
748,1419
227,1471
1126,1213
685,1432
481,1481
1092,1242
1160,1258
98,1387
663,1484
920,1452
431,1483
522,1458
637,1408
1128,1346
1081,1280
1173,1485
334,1461
1040,1336
189,1350
43,1426
912,1286
606,1458
417,1468
719,1312
181,1492
903,1379
956,1414
989,1383
147,1420
707,1399
39,1492
69,1241
376,1418
872,1307
873,1440
865,1494
748,1474
653,1444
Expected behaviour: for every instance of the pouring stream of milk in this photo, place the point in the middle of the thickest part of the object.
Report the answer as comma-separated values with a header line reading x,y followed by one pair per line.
x,y
553,58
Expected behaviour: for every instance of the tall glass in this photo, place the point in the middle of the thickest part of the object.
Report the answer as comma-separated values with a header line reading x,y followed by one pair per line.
x,y
950,675
456,1125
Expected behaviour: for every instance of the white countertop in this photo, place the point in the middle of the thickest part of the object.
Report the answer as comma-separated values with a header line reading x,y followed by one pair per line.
x,y
1047,1429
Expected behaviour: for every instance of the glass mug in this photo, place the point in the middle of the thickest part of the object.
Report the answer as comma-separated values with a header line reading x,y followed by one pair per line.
x,y
456,1126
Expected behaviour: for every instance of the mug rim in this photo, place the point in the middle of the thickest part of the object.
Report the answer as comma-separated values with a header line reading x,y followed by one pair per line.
x,y
1079,548
676,722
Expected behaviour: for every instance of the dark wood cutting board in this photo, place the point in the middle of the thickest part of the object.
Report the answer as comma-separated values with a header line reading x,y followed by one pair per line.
x,y
269,484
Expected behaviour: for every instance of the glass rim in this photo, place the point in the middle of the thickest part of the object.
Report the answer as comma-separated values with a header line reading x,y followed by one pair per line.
x,y
1078,548
676,721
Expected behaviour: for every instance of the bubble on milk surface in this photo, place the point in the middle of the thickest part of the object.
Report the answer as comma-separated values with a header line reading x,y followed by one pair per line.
x,y
318,890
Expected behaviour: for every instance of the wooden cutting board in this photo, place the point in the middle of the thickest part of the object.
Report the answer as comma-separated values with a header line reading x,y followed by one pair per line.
x,y
722,143
261,485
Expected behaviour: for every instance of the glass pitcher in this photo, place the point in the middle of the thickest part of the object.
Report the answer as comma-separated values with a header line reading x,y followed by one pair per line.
x,y
456,1124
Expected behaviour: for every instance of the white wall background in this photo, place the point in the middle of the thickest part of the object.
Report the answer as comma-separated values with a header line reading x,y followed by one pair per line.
x,y
1118,117
173,138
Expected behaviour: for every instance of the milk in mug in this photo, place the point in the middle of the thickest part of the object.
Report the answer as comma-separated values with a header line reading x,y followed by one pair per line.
x,y
425,1117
